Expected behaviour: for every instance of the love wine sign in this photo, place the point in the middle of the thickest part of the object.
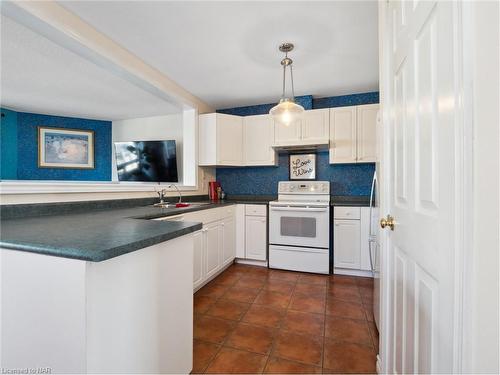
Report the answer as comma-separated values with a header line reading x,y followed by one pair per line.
x,y
303,167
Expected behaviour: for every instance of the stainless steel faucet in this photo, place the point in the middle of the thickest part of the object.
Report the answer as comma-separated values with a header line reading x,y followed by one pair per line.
x,y
161,194
178,191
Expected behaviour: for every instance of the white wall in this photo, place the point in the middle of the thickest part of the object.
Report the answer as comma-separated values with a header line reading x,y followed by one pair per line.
x,y
156,128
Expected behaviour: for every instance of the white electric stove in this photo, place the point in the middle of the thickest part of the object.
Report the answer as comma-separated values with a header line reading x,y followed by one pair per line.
x,y
299,227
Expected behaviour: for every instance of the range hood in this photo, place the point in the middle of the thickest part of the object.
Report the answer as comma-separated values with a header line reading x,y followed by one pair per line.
x,y
303,146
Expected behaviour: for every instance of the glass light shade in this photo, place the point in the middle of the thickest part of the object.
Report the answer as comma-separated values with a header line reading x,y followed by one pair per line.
x,y
286,111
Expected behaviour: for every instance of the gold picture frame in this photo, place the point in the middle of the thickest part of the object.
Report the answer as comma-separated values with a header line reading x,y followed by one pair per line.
x,y
66,148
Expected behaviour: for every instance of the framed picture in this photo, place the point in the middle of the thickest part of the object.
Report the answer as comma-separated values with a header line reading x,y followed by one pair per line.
x,y
65,148
303,167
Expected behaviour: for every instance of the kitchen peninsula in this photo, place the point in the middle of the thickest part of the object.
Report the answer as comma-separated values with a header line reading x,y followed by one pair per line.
x,y
108,288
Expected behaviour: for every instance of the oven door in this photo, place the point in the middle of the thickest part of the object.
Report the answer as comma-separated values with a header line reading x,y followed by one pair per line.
x,y
299,225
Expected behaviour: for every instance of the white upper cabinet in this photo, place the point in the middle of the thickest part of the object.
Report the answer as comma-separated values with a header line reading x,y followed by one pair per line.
x,y
367,132
285,135
258,139
220,140
343,135
312,129
316,126
353,133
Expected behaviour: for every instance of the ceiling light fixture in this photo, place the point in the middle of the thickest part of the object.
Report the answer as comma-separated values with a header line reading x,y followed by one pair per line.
x,y
287,110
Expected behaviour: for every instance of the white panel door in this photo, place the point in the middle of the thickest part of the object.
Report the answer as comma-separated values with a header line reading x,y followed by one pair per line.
x,y
343,135
212,249
316,126
229,140
346,244
228,240
258,139
198,267
255,238
367,133
287,134
422,144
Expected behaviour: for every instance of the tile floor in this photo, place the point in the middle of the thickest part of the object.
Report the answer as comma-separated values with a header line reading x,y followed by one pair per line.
x,y
256,320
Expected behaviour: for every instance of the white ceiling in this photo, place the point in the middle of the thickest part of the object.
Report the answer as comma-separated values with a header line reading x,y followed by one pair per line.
x,y
226,52
40,76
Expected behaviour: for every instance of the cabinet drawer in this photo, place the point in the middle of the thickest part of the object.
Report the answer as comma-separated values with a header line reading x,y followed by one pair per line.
x,y
203,216
256,209
347,213
171,218
227,211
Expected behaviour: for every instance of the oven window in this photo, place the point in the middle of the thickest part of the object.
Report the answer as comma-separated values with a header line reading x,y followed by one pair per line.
x,y
298,226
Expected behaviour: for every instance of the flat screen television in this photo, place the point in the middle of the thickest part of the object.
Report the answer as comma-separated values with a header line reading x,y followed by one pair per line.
x,y
148,161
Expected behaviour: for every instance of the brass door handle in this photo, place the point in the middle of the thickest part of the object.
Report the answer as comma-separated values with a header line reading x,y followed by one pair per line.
x,y
387,222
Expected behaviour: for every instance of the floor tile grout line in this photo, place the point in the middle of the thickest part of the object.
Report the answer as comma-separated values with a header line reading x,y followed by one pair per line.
x,y
324,330
280,327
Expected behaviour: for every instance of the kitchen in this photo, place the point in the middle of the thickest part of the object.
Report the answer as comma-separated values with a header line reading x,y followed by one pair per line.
x,y
163,213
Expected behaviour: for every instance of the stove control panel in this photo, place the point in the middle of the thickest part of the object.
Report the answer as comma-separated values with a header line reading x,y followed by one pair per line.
x,y
304,187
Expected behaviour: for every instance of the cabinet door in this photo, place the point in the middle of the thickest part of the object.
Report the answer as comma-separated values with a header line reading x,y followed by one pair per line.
x,y
212,249
207,144
285,135
255,238
240,231
229,140
346,244
228,241
258,139
198,268
316,126
343,135
367,132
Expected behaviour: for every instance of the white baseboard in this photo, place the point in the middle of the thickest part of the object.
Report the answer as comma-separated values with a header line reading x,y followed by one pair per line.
x,y
261,263
349,272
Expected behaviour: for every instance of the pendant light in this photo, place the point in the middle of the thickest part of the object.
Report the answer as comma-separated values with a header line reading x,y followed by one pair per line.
x,y
287,110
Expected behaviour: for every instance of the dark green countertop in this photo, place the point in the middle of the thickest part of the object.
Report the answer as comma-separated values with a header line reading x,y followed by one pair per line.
x,y
350,201
99,234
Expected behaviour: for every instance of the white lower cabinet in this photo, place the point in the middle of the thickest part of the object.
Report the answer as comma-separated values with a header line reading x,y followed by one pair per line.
x,y
228,240
346,243
214,244
251,234
198,256
255,237
212,248
350,241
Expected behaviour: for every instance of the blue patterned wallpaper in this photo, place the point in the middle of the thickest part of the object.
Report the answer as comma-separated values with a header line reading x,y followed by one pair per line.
x,y
346,100
305,101
27,148
308,102
345,179
8,145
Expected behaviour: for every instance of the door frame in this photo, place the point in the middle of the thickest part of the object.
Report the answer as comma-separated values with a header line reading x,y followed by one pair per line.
x,y
464,195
